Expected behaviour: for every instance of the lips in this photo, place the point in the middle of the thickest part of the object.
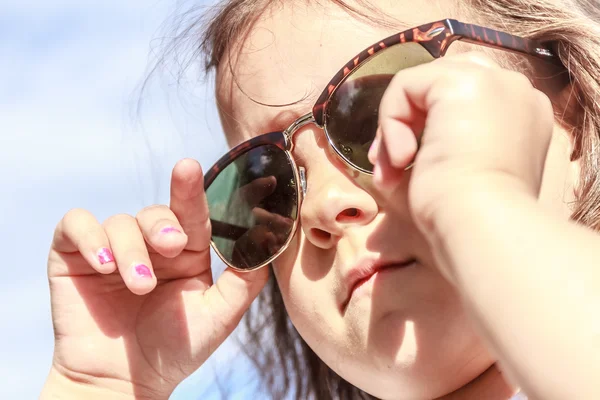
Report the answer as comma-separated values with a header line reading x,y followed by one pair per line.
x,y
363,271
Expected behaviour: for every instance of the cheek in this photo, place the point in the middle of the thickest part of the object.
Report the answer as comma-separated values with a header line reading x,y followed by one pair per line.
x,y
309,299
413,331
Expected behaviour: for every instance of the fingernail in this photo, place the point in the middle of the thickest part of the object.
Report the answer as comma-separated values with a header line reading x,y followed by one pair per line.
x,y
105,256
142,271
169,229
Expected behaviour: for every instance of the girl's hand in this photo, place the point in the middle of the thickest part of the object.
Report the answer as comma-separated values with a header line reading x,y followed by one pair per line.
x,y
134,306
483,129
473,192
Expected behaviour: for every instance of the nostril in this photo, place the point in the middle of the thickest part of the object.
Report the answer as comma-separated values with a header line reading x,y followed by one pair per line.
x,y
349,213
320,234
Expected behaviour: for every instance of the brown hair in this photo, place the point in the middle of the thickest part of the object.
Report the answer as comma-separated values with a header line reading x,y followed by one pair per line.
x,y
574,27
286,363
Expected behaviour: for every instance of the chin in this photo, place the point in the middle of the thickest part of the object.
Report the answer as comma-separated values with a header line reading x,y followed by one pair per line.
x,y
404,379
416,358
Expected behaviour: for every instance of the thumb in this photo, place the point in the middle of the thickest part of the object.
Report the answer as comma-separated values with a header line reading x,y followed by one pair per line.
x,y
232,294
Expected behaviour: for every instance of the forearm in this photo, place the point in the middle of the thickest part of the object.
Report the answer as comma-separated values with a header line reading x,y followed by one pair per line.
x,y
532,283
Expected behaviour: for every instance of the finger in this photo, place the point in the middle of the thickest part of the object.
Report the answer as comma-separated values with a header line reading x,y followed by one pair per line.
x,y
254,192
232,294
397,138
223,304
186,265
386,172
131,253
279,226
471,57
374,149
79,231
255,244
276,222
189,205
399,130
403,108
162,231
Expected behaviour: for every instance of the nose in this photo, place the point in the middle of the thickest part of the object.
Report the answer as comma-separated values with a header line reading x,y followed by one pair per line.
x,y
332,205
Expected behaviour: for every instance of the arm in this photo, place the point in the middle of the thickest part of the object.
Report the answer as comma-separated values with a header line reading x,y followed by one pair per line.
x,y
532,282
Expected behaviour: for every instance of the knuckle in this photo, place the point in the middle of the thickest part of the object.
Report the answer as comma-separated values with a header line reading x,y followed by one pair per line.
x,y
118,220
155,209
545,110
475,82
89,236
470,82
544,102
479,58
79,226
75,215
518,79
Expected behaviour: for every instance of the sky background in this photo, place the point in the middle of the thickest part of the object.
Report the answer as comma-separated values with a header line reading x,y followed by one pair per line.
x,y
71,136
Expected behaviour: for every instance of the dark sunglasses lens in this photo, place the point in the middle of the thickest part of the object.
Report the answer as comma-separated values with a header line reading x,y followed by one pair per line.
x,y
253,205
352,111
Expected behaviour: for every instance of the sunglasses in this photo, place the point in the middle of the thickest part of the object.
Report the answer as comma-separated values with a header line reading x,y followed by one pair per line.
x,y
255,191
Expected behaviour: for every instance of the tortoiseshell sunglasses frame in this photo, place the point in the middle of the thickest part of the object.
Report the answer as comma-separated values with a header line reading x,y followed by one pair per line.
x,y
435,37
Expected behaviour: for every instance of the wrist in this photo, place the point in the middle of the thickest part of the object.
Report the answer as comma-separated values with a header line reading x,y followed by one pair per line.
x,y
58,386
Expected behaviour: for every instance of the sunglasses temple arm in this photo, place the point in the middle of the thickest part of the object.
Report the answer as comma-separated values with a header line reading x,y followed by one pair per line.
x,y
501,40
228,231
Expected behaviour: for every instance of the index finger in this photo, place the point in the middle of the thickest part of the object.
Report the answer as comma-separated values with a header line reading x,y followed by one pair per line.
x,y
408,100
188,203
257,190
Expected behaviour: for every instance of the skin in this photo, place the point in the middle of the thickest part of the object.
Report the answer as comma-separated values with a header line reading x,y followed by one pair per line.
x,y
418,304
443,328
436,348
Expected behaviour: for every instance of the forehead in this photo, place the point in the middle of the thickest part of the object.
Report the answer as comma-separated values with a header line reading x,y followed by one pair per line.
x,y
276,72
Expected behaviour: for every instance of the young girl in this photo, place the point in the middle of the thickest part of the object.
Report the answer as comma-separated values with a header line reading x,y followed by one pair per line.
x,y
430,221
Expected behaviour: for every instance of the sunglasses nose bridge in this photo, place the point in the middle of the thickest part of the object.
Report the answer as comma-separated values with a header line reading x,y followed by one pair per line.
x,y
304,120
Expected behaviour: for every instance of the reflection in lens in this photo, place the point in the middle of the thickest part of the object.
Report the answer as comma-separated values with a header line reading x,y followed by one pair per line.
x,y
253,206
352,112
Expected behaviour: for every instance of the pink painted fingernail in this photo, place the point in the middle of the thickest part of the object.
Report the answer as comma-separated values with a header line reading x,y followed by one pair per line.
x,y
169,229
142,271
105,256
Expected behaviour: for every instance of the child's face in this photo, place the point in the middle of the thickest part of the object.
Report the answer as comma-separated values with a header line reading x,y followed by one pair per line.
x,y
405,332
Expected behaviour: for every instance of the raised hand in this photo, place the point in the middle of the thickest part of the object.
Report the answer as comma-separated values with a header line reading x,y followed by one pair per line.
x,y
134,306
483,128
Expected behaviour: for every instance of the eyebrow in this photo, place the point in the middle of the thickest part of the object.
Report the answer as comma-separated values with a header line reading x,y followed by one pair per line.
x,y
275,123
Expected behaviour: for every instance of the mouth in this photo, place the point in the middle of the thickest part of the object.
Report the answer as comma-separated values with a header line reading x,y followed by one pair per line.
x,y
360,276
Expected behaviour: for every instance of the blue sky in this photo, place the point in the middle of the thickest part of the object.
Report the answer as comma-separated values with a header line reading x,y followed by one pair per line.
x,y
70,136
